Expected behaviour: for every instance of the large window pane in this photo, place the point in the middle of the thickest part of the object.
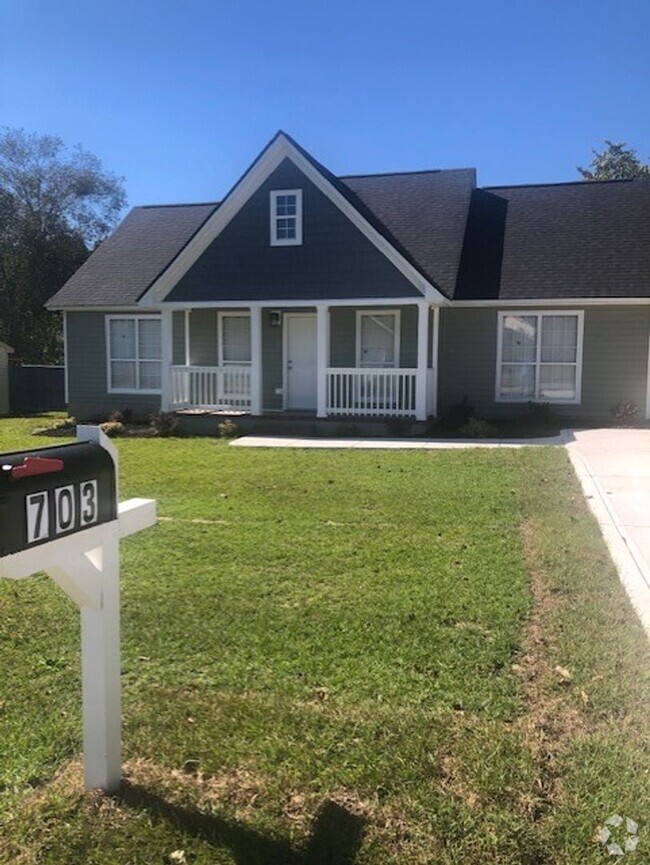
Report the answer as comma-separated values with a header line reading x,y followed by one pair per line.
x,y
378,340
150,375
236,337
517,381
149,335
559,338
519,338
557,382
123,375
122,331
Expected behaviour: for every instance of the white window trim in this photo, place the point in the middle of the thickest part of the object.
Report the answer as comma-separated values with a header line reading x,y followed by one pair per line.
x,y
396,313
220,317
109,369
540,313
285,241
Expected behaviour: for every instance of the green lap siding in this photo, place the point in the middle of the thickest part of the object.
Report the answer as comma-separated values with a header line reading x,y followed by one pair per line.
x,y
88,397
614,369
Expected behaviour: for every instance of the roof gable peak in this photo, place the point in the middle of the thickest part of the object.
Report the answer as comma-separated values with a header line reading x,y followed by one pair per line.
x,y
279,148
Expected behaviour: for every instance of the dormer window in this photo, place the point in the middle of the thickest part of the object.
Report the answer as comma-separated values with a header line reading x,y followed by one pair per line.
x,y
286,217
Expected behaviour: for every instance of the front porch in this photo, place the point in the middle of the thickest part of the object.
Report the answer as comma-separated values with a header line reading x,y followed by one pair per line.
x,y
324,361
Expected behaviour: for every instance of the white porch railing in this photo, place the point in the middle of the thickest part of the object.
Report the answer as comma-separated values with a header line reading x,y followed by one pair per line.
x,y
211,387
378,392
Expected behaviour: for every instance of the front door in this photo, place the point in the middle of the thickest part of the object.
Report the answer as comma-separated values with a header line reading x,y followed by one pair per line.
x,y
300,377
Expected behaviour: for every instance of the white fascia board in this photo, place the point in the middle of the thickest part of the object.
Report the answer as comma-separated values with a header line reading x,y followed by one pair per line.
x,y
279,150
136,310
306,303
552,302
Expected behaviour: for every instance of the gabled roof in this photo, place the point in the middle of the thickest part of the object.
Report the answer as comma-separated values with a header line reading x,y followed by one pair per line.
x,y
582,239
127,262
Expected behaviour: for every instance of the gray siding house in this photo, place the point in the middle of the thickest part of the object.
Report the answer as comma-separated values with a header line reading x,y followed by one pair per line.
x,y
378,296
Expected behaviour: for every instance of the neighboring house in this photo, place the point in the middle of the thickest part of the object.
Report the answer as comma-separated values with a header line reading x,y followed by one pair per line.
x,y
367,296
5,351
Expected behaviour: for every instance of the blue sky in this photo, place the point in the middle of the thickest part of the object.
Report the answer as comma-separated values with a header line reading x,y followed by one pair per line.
x,y
179,97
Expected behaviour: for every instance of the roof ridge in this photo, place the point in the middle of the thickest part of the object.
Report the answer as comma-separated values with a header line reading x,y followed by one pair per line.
x,y
402,173
558,183
177,204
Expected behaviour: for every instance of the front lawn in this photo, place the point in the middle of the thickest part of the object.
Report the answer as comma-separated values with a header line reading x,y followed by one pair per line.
x,y
337,657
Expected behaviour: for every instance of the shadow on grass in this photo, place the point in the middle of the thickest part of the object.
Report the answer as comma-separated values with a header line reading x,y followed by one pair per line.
x,y
335,839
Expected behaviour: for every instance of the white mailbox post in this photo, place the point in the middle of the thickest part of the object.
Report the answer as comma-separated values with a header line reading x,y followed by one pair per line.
x,y
59,514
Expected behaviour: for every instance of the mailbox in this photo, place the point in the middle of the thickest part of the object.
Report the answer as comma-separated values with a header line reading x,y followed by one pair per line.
x,y
49,493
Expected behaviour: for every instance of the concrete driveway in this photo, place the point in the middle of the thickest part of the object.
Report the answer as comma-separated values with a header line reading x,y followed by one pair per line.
x,y
614,469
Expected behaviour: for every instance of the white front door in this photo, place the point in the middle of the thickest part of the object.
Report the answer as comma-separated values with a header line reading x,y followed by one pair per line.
x,y
300,377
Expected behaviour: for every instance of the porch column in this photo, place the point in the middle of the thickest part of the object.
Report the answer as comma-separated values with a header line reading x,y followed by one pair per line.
x,y
423,351
166,335
256,360
434,362
322,357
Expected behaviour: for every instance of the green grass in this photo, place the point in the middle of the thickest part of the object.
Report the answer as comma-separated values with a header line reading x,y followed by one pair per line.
x,y
348,647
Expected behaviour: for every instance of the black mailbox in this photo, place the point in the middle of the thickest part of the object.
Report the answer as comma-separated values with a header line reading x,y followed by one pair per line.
x,y
50,493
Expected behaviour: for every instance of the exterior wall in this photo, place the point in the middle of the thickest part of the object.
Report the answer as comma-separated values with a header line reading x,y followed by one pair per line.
x,y
88,396
334,260
4,380
614,363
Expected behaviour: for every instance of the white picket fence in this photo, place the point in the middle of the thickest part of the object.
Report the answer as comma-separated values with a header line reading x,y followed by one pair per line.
x,y
211,387
371,392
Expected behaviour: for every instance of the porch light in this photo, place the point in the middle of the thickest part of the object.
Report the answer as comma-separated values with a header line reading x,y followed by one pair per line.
x,y
275,318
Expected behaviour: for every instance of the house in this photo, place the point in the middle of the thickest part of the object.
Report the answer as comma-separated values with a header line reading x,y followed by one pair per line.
x,y
367,296
5,351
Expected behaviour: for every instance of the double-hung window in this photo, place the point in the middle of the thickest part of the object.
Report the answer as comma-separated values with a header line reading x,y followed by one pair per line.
x,y
286,217
134,353
378,338
539,357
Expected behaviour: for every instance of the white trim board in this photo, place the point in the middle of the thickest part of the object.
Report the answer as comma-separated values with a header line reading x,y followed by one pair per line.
x,y
551,302
647,397
305,303
279,150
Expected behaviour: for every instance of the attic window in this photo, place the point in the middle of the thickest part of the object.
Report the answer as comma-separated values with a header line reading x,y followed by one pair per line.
x,y
286,217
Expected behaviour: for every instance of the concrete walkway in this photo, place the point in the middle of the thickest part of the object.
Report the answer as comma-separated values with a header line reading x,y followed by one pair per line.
x,y
613,466
389,444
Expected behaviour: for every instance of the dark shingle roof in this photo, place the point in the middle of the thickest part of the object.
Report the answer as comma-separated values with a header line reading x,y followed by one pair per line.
x,y
425,212
583,239
127,262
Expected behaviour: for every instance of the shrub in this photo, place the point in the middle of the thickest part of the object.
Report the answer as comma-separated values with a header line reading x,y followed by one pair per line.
x,y
625,410
64,423
477,428
124,416
112,428
539,413
228,429
163,423
460,412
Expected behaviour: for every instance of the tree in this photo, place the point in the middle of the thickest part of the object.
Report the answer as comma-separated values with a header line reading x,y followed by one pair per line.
x,y
615,163
56,204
